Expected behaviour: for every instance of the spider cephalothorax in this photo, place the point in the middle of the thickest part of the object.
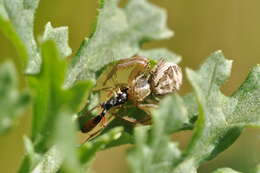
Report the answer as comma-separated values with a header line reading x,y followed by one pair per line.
x,y
139,88
138,79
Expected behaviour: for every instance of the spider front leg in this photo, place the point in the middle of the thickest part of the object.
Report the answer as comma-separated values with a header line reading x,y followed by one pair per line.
x,y
138,61
128,119
147,109
144,121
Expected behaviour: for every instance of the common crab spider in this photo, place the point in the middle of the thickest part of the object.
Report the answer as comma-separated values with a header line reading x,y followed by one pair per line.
x,y
146,78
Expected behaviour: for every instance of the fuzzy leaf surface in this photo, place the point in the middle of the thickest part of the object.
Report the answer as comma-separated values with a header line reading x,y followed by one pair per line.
x,y
60,36
221,118
118,34
49,95
12,101
220,122
17,21
53,131
153,150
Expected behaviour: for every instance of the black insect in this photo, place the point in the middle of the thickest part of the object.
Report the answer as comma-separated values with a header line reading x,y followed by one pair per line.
x,y
119,98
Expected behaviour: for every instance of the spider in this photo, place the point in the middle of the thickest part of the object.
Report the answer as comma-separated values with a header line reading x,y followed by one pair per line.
x,y
146,79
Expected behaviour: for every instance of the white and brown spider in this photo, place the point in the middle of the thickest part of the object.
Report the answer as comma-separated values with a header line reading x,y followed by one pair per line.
x,y
143,78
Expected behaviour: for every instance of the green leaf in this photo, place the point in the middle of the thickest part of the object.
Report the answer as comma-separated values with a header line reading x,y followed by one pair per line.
x,y
187,106
118,34
50,97
12,101
53,140
9,31
152,155
174,117
61,37
221,118
159,53
153,150
16,22
61,156
225,170
65,140
31,158
88,150
257,169
191,104
50,162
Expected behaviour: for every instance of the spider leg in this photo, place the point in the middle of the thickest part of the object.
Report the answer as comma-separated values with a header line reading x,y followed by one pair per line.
x,y
87,112
116,89
103,89
109,90
128,119
147,108
139,68
152,101
125,63
144,121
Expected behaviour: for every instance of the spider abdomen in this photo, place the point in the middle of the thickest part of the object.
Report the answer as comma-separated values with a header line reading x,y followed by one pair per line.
x,y
165,78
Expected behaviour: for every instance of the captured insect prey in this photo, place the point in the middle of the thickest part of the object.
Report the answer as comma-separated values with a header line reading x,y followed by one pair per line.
x,y
119,99
133,82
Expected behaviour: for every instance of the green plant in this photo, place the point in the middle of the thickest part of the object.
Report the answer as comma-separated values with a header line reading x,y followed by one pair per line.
x,y
57,93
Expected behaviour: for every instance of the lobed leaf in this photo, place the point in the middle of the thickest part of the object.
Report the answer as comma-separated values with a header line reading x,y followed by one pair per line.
x,y
221,118
52,110
159,53
16,17
88,150
61,37
186,106
118,34
13,102
49,95
153,150
17,22
50,162
65,140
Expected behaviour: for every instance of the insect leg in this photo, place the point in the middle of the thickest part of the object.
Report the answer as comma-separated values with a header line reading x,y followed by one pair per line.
x,y
91,136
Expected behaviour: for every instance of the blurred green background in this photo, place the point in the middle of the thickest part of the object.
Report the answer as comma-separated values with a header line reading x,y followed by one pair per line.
x,y
201,27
